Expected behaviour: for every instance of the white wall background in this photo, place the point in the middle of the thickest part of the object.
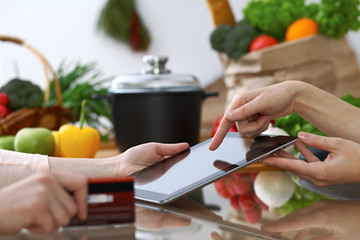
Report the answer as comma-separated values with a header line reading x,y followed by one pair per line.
x,y
66,30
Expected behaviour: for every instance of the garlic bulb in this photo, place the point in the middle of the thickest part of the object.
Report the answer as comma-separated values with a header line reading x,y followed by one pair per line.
x,y
274,188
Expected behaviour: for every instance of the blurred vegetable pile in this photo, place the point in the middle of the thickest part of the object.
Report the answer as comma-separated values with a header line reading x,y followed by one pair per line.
x,y
80,82
282,21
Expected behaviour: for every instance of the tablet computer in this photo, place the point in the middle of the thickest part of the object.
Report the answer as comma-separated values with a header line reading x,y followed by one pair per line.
x,y
197,167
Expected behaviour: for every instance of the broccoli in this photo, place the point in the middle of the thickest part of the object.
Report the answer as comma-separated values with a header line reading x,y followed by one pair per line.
x,y
22,93
218,36
238,40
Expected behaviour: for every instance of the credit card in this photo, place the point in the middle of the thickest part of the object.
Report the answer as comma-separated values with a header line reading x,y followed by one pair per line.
x,y
110,201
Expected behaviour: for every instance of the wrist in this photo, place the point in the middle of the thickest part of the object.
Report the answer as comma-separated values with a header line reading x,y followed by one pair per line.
x,y
301,93
116,165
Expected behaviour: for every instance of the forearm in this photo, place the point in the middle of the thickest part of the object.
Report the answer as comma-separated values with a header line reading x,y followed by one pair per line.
x,y
92,167
328,113
15,166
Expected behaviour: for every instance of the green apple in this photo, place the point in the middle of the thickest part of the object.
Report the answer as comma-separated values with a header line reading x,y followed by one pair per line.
x,y
7,142
35,140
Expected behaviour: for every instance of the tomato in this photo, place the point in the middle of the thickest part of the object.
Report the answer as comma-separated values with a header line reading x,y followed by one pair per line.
x,y
262,41
4,99
216,126
234,202
247,203
4,111
253,216
241,186
221,188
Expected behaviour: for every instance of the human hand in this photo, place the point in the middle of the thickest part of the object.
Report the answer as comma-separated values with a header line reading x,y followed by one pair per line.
x,y
144,155
326,214
41,202
342,165
253,110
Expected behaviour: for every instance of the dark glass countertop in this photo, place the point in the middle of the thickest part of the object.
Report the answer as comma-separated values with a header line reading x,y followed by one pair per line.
x,y
205,214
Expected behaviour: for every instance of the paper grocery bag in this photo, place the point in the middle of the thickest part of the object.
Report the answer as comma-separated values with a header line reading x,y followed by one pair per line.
x,y
310,59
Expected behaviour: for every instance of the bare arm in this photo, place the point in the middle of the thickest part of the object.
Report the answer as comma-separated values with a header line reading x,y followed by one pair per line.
x,y
90,167
15,166
328,113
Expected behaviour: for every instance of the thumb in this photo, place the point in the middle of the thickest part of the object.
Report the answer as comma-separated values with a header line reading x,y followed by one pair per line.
x,y
316,141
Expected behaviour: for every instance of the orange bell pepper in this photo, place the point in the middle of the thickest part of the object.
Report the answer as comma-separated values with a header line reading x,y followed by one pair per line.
x,y
78,142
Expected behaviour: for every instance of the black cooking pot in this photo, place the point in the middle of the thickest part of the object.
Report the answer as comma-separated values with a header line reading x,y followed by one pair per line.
x,y
156,106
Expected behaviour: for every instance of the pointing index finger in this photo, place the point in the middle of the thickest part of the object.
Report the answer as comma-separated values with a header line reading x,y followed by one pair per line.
x,y
220,134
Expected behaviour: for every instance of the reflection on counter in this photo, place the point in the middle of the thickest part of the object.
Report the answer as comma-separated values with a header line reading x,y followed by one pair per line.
x,y
331,218
187,219
184,217
109,232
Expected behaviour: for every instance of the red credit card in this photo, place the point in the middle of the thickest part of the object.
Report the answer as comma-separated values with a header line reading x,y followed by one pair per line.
x,y
110,201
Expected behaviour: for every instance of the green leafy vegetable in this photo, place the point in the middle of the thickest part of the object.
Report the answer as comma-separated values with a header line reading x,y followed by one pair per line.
x,y
274,16
293,124
81,82
337,17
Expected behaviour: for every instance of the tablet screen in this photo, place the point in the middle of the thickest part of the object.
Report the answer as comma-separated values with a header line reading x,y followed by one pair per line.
x,y
199,166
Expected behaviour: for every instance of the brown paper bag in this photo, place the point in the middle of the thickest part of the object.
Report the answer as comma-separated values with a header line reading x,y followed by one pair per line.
x,y
310,59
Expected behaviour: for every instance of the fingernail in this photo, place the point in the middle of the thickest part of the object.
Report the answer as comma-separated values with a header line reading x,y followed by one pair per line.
x,y
303,135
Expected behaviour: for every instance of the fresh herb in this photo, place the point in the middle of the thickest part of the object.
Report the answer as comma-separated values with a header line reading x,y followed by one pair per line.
x,y
81,82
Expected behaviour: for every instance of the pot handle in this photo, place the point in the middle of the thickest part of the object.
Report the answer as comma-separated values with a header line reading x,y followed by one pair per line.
x,y
210,94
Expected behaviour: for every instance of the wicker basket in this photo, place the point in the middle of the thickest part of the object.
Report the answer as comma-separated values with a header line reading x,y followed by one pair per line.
x,y
51,117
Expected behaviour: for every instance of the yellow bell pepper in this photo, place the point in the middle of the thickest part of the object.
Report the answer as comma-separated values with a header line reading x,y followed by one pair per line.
x,y
78,142
57,144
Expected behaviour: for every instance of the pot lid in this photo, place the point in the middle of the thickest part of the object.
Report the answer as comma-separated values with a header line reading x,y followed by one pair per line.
x,y
154,78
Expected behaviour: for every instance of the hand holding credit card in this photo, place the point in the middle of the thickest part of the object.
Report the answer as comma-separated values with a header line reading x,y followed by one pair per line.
x,y
110,201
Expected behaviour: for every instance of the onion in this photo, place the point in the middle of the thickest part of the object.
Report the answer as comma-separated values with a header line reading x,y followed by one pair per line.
x,y
274,188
